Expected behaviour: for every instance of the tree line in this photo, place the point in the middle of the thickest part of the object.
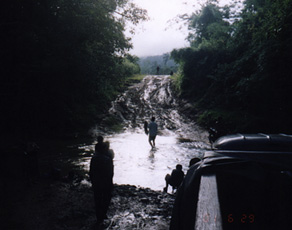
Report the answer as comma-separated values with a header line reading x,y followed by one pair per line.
x,y
149,64
62,62
238,66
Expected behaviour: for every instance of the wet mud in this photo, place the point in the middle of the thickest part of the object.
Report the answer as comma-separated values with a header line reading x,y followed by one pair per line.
x,y
67,205
154,96
179,138
60,200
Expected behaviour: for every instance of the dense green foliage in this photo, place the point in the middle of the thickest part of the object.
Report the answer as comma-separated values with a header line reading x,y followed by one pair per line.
x,y
148,65
62,61
131,65
240,65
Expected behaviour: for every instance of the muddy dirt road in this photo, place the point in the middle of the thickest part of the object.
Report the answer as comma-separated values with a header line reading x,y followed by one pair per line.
x,y
179,138
67,203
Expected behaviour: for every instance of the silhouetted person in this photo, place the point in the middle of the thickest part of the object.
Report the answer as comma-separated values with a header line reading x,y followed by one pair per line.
x,y
152,132
175,179
101,176
99,147
157,70
110,152
194,160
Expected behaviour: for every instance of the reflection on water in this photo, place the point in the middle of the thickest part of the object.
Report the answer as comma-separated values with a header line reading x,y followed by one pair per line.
x,y
179,138
137,164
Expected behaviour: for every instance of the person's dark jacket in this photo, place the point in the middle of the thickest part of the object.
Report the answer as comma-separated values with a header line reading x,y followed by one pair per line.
x,y
184,210
101,171
177,177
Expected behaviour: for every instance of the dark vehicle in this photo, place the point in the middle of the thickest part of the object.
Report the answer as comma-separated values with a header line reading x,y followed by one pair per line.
x,y
244,183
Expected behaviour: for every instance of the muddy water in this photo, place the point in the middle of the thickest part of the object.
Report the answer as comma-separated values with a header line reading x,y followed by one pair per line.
x,y
179,138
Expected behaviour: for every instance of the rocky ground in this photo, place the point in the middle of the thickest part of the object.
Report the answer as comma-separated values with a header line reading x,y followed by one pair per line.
x,y
60,202
57,202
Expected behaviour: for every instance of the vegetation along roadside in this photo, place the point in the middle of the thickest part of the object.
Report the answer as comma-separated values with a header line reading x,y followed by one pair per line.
x,y
237,68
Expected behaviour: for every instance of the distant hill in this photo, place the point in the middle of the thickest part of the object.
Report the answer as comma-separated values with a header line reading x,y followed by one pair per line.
x,y
148,65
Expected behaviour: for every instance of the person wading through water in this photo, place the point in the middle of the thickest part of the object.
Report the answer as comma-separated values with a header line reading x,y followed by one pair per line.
x,y
152,132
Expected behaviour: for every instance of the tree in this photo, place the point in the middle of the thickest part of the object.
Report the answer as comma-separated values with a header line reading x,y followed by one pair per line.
x,y
130,65
62,61
209,25
242,66
209,41
149,64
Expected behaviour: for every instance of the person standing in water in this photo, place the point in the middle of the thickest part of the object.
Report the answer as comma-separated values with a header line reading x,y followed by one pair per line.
x,y
152,132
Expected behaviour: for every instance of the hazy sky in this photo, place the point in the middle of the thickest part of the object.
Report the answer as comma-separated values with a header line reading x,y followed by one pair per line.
x,y
157,36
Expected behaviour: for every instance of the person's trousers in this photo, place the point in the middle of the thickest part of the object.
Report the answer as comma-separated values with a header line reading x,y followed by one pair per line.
x,y
102,198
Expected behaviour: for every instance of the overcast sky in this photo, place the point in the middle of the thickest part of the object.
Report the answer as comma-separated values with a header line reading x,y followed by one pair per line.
x,y
157,36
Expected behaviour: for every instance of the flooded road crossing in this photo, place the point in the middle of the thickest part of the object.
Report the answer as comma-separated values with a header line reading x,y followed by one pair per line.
x,y
179,139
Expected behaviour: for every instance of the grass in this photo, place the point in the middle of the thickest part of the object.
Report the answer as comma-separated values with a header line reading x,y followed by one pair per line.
x,y
138,77
135,78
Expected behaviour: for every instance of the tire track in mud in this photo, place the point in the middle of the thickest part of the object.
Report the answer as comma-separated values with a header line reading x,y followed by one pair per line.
x,y
154,96
178,141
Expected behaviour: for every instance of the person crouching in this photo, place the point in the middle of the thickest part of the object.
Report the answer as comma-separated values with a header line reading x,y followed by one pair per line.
x,y
175,179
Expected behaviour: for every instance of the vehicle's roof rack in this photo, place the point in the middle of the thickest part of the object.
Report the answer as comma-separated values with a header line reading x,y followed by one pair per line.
x,y
255,142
